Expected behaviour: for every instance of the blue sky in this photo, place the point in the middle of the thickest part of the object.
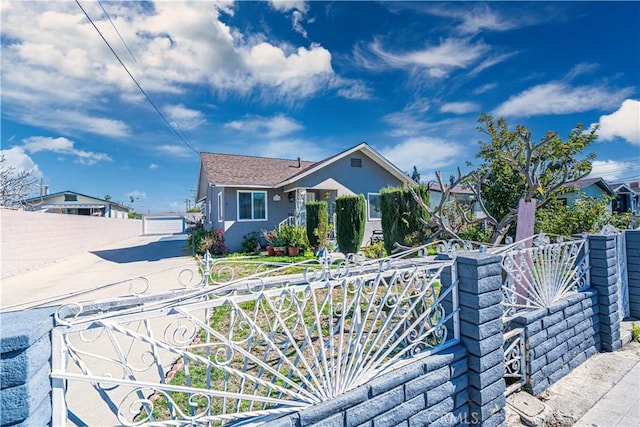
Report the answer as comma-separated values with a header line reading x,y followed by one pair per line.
x,y
308,79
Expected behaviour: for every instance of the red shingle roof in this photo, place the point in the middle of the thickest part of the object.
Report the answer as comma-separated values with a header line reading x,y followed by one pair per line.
x,y
231,169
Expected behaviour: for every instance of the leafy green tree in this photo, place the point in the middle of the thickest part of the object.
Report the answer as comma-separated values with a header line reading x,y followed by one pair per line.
x,y
107,197
586,215
515,166
351,217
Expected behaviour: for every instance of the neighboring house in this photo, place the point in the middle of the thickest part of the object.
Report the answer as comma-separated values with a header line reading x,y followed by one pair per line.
x,y
596,188
72,203
457,194
627,198
241,194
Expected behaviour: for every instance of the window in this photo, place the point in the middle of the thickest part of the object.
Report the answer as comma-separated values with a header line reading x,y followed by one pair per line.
x,y
373,211
220,207
70,197
252,205
356,163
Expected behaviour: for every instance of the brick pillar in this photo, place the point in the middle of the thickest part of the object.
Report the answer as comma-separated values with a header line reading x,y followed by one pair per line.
x,y
480,297
633,271
25,388
604,275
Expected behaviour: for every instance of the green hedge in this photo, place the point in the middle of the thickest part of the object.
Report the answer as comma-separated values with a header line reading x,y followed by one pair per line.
x,y
351,217
317,223
401,215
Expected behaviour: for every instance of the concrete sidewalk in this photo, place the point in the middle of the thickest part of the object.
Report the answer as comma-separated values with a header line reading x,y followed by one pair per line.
x,y
604,391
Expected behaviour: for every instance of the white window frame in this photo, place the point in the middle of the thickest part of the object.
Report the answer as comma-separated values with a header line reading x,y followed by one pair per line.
x,y
369,218
220,207
266,206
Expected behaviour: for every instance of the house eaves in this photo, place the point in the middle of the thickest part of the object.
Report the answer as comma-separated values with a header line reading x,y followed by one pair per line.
x,y
366,149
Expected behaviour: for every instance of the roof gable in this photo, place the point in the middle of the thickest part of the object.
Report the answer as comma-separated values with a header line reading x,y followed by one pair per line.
x,y
581,184
43,198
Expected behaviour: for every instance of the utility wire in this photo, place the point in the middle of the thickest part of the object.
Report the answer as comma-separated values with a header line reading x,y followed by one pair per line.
x,y
164,118
117,32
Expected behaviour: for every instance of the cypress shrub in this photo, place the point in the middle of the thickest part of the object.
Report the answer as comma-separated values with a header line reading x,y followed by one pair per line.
x,y
317,223
401,215
351,217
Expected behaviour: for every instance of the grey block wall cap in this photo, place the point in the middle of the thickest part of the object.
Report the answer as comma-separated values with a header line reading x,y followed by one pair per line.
x,y
478,258
20,329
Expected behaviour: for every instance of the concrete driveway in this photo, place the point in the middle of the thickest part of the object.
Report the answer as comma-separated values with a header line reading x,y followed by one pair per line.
x,y
101,274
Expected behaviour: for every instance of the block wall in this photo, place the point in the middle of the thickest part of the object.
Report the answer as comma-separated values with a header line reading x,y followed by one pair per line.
x,y
34,239
633,271
430,391
25,363
559,338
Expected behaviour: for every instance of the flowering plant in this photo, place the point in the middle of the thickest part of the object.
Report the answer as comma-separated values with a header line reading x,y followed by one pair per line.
x,y
274,238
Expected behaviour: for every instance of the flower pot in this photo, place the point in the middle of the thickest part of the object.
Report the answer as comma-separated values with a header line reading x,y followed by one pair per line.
x,y
270,251
293,250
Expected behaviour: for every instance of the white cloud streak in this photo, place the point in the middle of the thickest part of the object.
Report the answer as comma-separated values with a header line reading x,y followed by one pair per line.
x,y
460,107
561,98
612,170
62,145
270,127
16,158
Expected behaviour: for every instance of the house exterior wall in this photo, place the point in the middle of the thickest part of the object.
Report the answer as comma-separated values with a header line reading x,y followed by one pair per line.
x,y
370,178
234,230
592,191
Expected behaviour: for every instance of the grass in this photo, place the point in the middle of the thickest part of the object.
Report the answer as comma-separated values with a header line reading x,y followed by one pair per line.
x,y
289,309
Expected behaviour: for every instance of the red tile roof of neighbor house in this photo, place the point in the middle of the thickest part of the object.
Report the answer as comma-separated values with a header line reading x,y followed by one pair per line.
x,y
232,169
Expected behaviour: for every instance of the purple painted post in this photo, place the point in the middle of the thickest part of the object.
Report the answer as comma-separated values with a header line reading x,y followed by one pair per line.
x,y
526,220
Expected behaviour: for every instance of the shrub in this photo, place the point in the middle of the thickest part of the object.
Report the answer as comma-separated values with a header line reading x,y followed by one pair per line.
x,y
250,242
213,241
294,235
375,250
317,224
586,215
401,216
351,217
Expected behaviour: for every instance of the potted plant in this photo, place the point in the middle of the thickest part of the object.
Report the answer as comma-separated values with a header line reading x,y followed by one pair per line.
x,y
276,243
294,236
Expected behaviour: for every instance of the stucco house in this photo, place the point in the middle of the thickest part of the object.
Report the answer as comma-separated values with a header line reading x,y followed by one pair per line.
x,y
72,203
241,194
596,188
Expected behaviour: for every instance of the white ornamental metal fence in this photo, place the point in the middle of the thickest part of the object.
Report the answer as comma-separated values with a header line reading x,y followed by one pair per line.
x,y
250,349
538,272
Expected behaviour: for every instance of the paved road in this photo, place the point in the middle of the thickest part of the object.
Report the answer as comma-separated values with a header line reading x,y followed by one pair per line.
x,y
100,274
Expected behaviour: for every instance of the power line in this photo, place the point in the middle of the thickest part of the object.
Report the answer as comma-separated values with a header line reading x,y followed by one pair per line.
x,y
117,32
184,140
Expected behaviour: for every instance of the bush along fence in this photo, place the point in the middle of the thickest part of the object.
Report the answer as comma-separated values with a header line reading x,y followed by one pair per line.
x,y
440,357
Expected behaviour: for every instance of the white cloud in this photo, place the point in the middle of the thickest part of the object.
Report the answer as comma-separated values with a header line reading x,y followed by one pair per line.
x,y
484,88
353,89
460,107
153,166
580,69
16,158
270,127
561,98
450,53
287,5
427,154
624,123
185,118
612,170
490,62
175,44
62,145
174,150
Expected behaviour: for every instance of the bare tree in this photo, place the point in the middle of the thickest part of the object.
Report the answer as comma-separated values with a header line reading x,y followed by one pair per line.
x,y
15,186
